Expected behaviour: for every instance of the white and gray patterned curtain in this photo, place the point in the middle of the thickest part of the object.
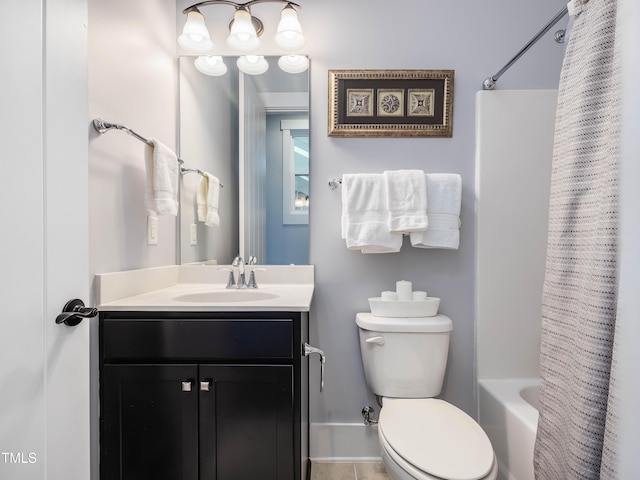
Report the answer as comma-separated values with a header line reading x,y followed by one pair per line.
x,y
577,425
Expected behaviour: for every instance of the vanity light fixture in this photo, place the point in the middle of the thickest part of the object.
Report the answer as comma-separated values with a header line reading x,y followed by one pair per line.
x,y
243,37
195,36
289,36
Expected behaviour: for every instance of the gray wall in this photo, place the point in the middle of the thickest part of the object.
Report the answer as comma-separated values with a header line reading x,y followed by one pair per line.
x,y
473,38
132,71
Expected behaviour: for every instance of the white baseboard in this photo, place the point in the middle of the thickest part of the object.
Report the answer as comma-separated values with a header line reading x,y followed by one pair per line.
x,y
343,442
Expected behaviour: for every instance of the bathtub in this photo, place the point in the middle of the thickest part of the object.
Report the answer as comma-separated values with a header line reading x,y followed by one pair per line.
x,y
507,411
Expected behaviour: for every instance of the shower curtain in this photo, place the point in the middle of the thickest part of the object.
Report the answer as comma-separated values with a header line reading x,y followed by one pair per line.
x,y
577,424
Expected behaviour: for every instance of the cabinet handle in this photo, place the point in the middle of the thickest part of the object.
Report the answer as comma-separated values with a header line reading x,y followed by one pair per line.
x,y
186,386
308,350
204,386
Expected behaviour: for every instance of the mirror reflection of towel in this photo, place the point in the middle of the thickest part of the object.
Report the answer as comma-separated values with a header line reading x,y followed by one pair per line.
x,y
208,200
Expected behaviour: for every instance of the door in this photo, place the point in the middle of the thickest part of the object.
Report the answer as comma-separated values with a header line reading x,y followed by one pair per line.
x,y
44,367
246,422
149,422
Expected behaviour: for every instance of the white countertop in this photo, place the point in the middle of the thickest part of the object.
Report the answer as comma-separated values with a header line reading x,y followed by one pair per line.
x,y
201,288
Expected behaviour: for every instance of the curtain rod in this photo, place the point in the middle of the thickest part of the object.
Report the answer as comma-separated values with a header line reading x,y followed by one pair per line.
x,y
490,82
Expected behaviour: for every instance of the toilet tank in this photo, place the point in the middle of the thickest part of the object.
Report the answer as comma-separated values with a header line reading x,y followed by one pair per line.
x,y
404,357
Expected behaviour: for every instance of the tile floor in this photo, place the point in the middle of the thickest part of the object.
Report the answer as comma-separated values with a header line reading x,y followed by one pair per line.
x,y
348,471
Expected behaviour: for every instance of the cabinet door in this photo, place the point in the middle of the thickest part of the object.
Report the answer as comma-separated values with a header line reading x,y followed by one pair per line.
x,y
246,422
149,422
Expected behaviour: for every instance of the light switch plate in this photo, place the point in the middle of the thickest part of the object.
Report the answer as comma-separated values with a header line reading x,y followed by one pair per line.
x,y
194,235
152,230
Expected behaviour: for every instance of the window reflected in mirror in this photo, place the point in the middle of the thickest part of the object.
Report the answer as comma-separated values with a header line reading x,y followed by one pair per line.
x,y
295,171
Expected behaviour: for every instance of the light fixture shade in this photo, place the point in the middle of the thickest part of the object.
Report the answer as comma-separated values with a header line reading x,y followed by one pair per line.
x,y
252,64
211,65
293,63
195,36
243,36
289,36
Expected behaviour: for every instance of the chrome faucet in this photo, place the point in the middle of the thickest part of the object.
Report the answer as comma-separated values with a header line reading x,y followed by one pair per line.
x,y
238,262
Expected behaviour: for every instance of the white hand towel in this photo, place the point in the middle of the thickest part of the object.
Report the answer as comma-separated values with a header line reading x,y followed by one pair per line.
x,y
444,197
208,200
161,187
407,200
364,215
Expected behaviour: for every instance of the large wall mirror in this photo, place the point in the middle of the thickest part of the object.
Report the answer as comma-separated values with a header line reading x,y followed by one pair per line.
x,y
252,133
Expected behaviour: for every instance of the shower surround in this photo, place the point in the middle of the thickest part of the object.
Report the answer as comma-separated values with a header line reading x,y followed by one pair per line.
x,y
514,143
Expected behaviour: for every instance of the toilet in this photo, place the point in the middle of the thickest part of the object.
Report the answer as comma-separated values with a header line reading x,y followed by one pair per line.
x,y
421,437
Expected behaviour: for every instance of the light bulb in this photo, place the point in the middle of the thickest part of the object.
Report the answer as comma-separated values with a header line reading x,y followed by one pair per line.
x,y
243,36
293,63
195,36
211,65
289,36
252,64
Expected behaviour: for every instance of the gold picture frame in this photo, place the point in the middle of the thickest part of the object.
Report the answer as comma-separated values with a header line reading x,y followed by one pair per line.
x,y
390,103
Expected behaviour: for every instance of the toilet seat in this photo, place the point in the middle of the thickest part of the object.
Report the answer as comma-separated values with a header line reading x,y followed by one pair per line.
x,y
436,438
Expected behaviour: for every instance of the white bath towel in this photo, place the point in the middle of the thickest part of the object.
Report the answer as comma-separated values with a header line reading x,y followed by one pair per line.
x,y
208,200
406,200
161,186
364,214
444,197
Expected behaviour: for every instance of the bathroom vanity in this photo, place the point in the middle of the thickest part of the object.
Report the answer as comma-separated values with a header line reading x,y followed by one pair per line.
x,y
209,390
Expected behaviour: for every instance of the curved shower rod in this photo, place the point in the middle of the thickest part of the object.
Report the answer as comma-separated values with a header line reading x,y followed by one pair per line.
x,y
490,82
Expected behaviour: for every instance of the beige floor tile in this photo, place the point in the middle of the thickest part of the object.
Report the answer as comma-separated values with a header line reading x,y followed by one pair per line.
x,y
333,471
371,471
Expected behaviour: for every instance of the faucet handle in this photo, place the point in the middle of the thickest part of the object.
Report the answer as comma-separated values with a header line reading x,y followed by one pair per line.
x,y
236,261
252,278
252,260
231,281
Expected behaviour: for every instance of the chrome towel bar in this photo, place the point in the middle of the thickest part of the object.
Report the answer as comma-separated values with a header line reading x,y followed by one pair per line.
x,y
102,126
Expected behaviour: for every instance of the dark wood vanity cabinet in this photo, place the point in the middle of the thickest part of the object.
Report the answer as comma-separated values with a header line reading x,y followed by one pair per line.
x,y
203,396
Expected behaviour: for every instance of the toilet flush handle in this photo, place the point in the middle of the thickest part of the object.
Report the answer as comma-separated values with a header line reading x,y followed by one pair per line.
x,y
375,340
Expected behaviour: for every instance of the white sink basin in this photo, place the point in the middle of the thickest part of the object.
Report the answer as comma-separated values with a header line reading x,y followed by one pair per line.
x,y
225,296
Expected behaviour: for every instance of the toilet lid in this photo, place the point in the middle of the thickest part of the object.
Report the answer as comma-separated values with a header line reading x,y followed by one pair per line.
x,y
437,438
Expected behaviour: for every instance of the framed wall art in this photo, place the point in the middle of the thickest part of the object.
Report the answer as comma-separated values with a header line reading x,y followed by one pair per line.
x,y
391,103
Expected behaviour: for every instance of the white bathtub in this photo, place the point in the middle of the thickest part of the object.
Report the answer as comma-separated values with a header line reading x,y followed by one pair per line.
x,y
508,413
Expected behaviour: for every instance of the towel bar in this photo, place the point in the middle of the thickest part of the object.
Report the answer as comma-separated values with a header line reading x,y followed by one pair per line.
x,y
102,126
335,183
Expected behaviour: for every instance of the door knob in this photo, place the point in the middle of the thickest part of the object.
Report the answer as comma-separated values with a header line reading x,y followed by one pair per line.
x,y
74,312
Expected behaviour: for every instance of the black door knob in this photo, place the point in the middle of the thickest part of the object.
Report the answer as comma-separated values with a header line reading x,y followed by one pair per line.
x,y
74,312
